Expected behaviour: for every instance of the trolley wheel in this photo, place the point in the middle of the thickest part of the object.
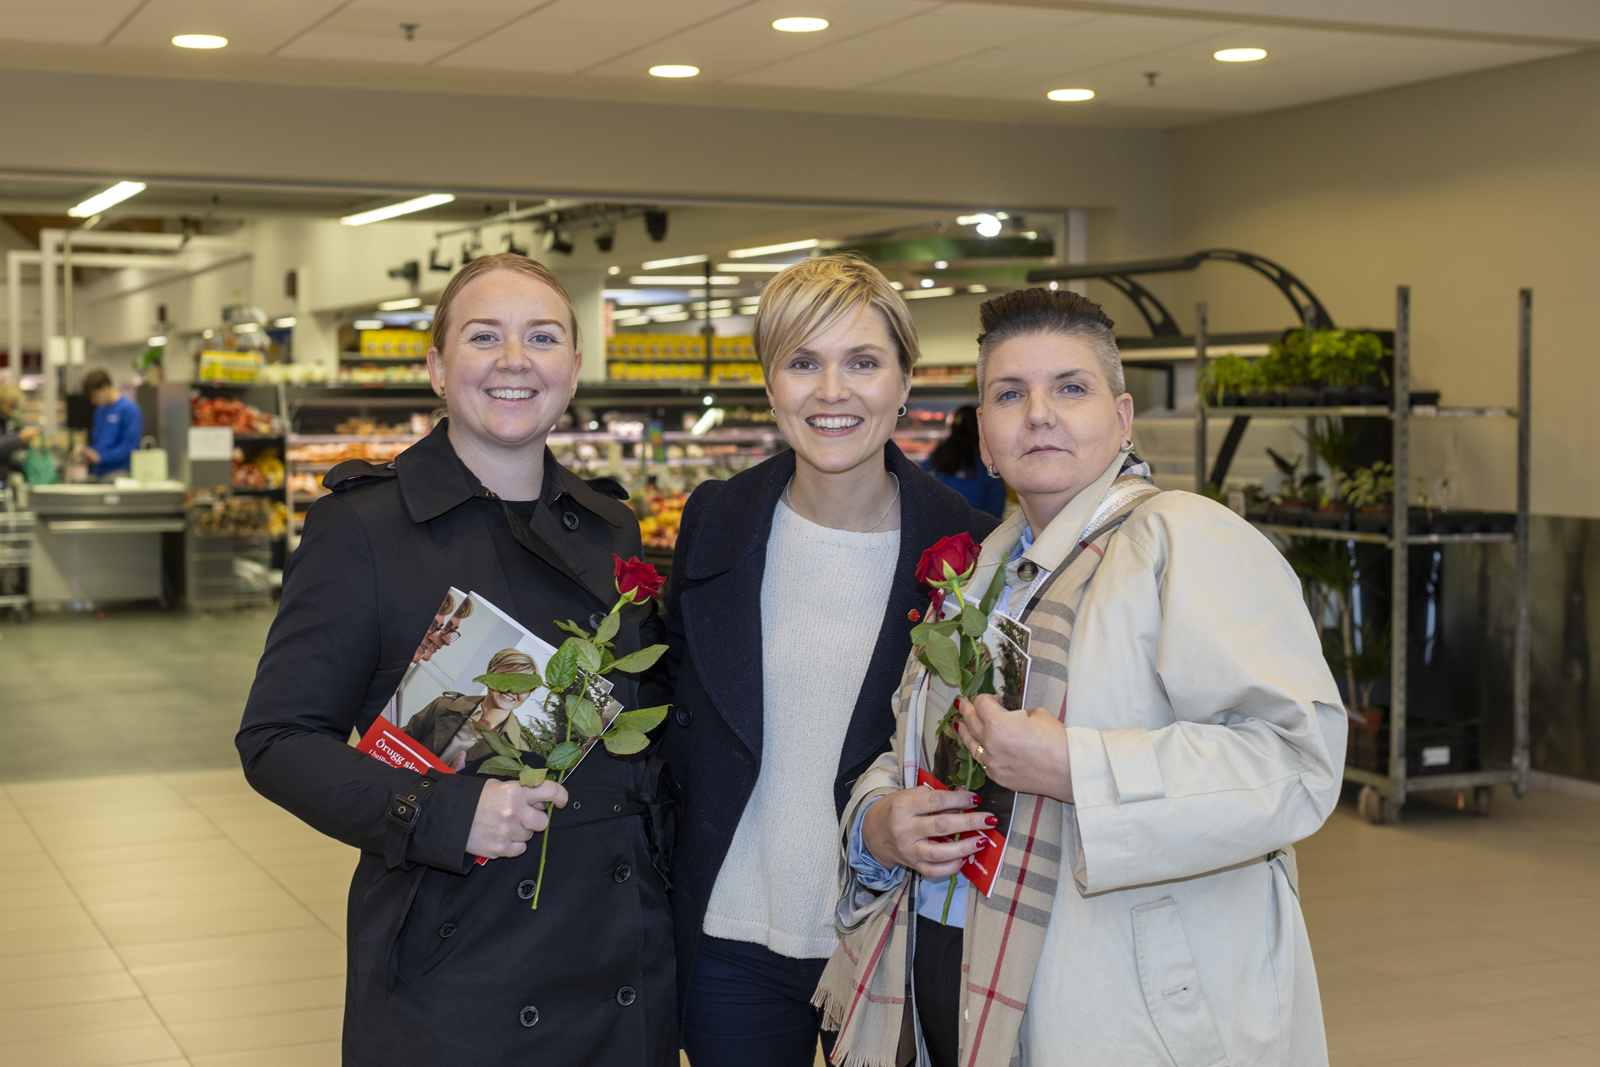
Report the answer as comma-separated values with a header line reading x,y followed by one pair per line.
x,y
1377,808
1483,799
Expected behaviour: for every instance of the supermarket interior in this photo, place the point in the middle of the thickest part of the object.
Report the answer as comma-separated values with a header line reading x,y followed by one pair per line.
x,y
1347,250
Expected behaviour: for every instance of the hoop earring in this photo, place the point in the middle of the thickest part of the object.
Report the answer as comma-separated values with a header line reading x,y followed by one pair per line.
x,y
993,473
902,411
774,412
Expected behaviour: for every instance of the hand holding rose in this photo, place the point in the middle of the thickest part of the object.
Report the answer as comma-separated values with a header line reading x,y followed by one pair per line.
x,y
1025,751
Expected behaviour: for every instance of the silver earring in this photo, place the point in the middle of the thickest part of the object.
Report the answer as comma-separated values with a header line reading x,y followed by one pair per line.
x,y
992,472
774,412
902,411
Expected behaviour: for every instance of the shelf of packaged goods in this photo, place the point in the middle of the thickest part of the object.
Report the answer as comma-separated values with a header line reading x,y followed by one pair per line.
x,y
256,438
1365,537
256,490
353,438
1372,411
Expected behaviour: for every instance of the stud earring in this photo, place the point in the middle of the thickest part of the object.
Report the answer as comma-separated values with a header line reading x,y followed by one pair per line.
x,y
902,412
441,393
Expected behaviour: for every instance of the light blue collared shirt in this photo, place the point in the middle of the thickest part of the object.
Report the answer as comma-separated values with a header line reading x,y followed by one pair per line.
x,y
931,892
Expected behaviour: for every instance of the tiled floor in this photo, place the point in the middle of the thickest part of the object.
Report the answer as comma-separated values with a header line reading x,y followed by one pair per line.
x,y
170,916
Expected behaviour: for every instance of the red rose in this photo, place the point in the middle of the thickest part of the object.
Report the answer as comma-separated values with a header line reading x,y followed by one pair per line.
x,y
960,553
637,580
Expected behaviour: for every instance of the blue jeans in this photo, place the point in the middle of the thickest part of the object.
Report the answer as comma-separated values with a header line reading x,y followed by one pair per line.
x,y
747,1006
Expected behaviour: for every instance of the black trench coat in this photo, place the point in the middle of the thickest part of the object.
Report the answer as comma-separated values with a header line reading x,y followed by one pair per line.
x,y
447,962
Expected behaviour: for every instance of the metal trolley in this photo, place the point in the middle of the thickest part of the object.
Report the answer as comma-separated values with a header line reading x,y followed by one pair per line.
x,y
16,557
1384,794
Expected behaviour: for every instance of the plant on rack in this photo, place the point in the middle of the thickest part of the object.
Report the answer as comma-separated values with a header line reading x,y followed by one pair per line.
x,y
1370,489
1363,665
1299,489
1328,571
1230,375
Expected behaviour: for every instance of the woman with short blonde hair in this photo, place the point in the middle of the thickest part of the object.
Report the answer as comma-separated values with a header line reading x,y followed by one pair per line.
x,y
789,615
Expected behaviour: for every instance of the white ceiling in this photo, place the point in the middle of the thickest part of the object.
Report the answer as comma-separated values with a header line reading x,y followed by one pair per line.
x,y
1004,53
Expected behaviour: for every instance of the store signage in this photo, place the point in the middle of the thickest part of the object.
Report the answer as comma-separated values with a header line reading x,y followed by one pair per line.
x,y
210,442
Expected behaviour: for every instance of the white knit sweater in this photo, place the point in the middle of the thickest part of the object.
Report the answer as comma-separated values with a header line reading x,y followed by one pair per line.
x,y
822,602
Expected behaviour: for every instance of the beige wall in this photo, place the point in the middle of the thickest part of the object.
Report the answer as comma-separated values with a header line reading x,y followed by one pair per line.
x,y
1466,189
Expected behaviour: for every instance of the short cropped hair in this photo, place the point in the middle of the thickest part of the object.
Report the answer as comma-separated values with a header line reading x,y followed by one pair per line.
x,y
1024,312
806,300
95,381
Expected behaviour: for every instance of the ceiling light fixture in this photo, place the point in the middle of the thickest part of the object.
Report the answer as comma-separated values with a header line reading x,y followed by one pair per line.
x,y
918,294
977,288
100,201
800,25
988,225
756,268
681,279
674,70
768,250
680,261
405,207
927,283
613,271
940,264
1071,94
200,40
1240,55
157,341
368,324
287,322
401,305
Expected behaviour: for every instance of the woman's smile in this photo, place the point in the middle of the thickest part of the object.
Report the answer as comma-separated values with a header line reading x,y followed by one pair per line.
x,y
834,425
507,393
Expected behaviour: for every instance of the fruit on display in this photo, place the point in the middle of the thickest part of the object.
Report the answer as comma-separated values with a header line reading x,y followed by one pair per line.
x,y
263,471
371,451
659,516
236,414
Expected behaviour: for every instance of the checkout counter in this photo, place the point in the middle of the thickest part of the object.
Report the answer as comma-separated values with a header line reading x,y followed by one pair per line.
x,y
102,544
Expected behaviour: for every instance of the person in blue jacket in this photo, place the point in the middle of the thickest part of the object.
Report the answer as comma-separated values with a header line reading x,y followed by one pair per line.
x,y
118,426
956,463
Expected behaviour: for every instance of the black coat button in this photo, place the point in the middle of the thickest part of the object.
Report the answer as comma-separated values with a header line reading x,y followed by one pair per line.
x,y
622,873
626,995
596,619
683,715
447,929
1027,570
570,520
528,1016
525,889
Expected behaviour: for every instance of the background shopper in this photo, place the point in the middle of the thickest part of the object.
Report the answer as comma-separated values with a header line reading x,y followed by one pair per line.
x,y
15,438
118,426
956,463
448,961
788,614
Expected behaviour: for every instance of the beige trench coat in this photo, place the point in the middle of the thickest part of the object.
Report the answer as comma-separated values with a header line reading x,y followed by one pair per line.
x,y
1206,736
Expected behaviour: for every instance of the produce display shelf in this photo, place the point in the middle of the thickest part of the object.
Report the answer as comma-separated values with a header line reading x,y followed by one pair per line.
x,y
1327,534
354,438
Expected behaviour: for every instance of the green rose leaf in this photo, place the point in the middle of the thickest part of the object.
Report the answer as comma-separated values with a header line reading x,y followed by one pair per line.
x,y
533,777
626,742
992,596
585,720
572,628
977,779
587,656
973,621
641,660
564,756
947,626
511,768
562,667
608,628
501,746
921,632
944,660
510,683
644,719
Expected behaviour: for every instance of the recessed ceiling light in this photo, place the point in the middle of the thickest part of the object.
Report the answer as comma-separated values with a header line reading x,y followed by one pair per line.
x,y
674,70
1070,94
927,283
940,264
679,261
401,305
200,40
368,324
800,25
1241,55
682,279
111,197
772,250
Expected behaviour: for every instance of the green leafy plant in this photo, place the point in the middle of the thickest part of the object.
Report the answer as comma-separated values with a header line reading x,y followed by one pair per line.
x,y
1368,487
1332,441
1298,487
1329,573
572,677
1331,357
1230,374
1363,665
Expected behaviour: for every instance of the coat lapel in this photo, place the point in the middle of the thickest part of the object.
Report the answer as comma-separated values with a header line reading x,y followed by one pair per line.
x,y
722,609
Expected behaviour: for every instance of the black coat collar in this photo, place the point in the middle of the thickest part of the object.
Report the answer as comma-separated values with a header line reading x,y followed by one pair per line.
x,y
722,611
433,480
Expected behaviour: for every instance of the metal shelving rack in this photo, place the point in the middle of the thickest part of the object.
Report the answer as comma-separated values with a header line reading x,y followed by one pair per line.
x,y
1392,789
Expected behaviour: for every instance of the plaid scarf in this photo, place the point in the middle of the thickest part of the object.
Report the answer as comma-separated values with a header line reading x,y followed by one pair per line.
x,y
865,986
